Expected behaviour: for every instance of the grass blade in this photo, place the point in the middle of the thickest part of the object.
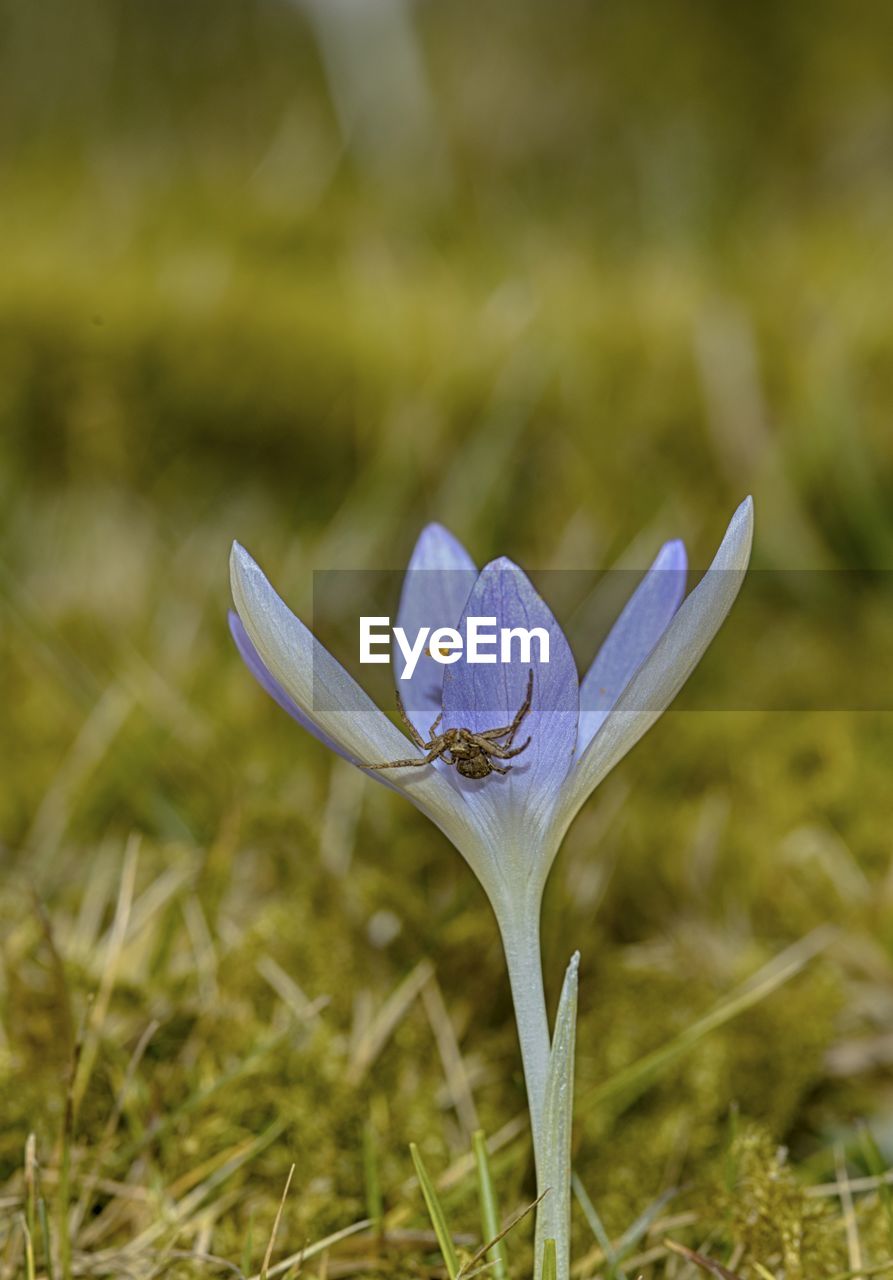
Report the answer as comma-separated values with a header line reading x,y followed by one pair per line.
x,y
265,1266
634,1233
436,1214
319,1247
496,1253
30,1203
372,1177
43,1218
550,1260
29,1247
614,1271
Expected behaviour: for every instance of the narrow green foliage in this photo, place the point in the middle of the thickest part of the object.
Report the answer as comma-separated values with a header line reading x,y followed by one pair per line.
x,y
882,1268
553,1219
496,1254
731,1162
613,1270
30,1218
265,1266
46,1238
877,1168
550,1263
372,1176
63,1202
436,1214
637,1230
614,1254
248,1245
29,1248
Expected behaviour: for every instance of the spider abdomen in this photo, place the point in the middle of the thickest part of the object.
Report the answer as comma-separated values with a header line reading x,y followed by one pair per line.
x,y
473,765
469,757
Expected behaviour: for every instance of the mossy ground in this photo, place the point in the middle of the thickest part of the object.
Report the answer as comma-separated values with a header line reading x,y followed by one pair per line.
x,y
634,300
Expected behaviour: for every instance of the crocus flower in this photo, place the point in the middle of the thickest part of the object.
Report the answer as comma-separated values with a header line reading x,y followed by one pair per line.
x,y
508,827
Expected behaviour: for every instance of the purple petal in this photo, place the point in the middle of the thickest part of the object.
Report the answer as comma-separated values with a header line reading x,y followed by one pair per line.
x,y
483,696
438,579
254,663
643,621
665,670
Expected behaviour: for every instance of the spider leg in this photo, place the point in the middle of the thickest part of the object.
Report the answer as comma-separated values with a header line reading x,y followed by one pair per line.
x,y
434,726
512,729
503,752
523,709
489,734
415,763
496,768
413,731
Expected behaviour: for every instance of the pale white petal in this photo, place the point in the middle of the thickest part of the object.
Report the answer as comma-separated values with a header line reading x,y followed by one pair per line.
x,y
334,702
664,672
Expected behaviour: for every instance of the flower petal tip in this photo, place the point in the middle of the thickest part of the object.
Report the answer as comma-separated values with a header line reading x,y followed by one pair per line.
x,y
741,527
672,555
238,559
437,547
434,529
502,564
242,568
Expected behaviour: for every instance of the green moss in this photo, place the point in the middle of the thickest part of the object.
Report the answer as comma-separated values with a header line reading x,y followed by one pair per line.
x,y
191,351
772,1220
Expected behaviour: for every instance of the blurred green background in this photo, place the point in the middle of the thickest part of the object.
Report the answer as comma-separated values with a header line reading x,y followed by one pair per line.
x,y
571,279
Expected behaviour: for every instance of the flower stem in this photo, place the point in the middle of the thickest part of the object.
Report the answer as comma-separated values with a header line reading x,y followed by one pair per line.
x,y
521,940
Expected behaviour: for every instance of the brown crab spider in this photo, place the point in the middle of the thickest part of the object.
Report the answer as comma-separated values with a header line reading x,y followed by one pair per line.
x,y
473,754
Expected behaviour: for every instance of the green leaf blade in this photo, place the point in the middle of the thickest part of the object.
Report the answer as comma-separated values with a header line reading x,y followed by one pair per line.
x,y
496,1254
436,1214
553,1221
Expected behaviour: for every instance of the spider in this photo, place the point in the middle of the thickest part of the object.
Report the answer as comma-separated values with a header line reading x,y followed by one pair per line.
x,y
471,753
